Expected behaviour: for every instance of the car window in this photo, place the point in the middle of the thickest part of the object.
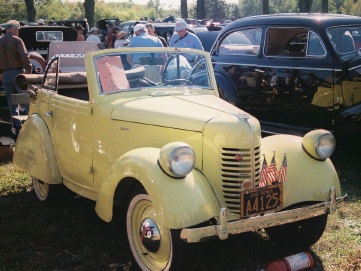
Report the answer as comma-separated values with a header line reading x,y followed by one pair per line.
x,y
241,42
49,36
345,39
315,46
293,42
286,42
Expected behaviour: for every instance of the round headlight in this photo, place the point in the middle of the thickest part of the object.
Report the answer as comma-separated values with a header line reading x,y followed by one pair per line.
x,y
177,159
320,144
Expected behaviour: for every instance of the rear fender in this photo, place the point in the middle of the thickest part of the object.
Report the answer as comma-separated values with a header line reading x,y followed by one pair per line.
x,y
34,151
349,121
307,179
178,203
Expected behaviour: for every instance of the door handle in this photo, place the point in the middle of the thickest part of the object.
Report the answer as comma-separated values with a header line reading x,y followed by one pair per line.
x,y
49,114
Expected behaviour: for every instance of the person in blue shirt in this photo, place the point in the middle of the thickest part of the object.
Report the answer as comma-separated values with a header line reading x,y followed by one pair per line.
x,y
142,39
182,38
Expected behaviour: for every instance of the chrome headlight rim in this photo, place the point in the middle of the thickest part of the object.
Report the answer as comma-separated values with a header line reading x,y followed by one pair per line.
x,y
319,144
177,159
323,153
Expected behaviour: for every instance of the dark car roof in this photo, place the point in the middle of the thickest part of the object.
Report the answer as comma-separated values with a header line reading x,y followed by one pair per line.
x,y
318,20
28,34
207,35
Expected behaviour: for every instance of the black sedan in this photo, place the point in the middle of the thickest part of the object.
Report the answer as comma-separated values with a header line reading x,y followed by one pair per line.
x,y
294,72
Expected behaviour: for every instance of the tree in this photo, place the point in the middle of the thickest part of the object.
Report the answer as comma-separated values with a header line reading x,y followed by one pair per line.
x,y
201,9
324,6
265,6
89,11
305,5
30,10
184,9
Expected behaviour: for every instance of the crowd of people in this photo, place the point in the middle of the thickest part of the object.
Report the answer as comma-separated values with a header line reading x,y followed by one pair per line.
x,y
16,60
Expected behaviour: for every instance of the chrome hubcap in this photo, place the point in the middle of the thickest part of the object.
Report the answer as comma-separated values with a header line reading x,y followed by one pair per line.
x,y
150,235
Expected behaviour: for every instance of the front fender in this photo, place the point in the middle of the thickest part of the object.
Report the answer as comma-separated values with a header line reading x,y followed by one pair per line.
x,y
307,179
178,203
34,151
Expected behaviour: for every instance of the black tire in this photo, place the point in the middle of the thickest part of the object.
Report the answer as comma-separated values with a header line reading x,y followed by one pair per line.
x,y
154,247
50,193
300,234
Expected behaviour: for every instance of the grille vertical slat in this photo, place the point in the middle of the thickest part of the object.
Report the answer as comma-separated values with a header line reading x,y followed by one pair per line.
x,y
234,173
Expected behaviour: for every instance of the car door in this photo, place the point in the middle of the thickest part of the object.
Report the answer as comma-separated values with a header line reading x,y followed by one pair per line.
x,y
70,125
283,75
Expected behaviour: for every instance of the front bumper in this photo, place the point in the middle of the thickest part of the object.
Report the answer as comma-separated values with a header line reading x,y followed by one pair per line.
x,y
224,228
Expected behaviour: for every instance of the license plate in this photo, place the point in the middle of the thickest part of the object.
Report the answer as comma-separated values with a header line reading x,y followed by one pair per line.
x,y
261,200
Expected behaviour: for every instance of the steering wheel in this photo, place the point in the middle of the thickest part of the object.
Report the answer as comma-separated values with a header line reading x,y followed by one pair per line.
x,y
197,67
178,82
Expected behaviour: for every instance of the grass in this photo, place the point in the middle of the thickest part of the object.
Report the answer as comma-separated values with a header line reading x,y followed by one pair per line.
x,y
38,236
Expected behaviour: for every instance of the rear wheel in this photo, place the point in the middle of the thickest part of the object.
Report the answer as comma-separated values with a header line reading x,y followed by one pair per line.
x,y
154,246
300,234
48,192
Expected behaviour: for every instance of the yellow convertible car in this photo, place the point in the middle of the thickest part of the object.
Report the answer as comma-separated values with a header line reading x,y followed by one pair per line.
x,y
145,128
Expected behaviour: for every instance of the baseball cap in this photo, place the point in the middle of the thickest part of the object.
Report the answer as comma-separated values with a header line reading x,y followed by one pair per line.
x,y
179,25
40,21
139,27
91,30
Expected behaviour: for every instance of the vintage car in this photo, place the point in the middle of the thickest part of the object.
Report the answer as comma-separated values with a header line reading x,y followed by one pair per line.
x,y
38,38
186,165
294,72
207,34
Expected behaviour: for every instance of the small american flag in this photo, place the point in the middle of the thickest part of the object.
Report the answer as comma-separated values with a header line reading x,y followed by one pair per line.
x,y
283,170
263,176
272,173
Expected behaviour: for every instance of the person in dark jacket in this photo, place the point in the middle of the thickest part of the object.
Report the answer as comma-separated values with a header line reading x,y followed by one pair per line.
x,y
14,60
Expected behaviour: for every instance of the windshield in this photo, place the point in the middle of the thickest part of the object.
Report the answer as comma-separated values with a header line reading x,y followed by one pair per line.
x,y
120,72
345,39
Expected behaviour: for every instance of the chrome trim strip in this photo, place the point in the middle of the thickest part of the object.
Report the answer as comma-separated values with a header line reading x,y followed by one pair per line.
x,y
276,67
224,228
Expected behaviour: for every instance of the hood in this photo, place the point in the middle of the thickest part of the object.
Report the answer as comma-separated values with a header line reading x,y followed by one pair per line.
x,y
187,112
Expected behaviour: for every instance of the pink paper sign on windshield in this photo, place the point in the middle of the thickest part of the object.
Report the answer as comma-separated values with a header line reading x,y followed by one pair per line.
x,y
112,74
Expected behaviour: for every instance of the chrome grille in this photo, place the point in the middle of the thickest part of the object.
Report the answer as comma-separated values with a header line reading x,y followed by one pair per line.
x,y
234,173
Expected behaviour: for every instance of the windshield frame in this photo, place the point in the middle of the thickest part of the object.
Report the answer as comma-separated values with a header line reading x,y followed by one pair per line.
x,y
114,77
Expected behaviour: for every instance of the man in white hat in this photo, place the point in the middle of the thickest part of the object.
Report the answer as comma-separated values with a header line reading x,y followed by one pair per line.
x,y
93,37
41,22
182,38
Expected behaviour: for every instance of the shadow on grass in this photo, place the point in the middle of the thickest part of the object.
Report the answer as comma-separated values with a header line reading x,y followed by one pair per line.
x,y
38,236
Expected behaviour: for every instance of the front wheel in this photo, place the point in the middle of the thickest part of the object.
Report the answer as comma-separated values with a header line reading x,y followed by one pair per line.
x,y
300,234
154,246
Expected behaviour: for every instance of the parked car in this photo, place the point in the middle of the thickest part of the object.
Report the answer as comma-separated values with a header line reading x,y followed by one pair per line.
x,y
206,34
187,165
294,72
73,23
38,38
